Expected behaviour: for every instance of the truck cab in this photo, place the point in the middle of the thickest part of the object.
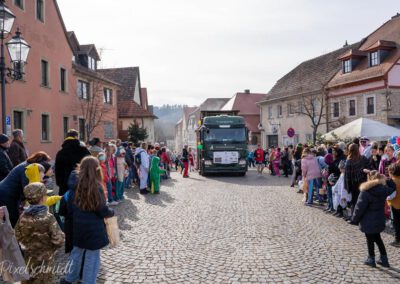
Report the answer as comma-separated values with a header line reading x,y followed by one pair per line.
x,y
222,141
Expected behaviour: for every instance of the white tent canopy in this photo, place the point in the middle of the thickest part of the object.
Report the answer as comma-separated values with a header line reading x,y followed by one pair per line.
x,y
374,130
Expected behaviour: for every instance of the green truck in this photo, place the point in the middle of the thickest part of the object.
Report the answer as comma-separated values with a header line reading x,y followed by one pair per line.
x,y
222,143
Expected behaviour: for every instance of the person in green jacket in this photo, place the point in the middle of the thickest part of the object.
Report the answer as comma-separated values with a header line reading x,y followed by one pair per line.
x,y
155,173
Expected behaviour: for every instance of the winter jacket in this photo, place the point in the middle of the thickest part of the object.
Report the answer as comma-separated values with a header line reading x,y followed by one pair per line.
x,y
354,174
12,191
67,214
17,153
5,164
89,230
67,158
369,212
106,177
37,230
310,167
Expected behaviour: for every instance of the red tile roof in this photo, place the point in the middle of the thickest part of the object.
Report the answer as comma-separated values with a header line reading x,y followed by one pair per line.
x,y
130,109
309,76
245,103
127,77
386,36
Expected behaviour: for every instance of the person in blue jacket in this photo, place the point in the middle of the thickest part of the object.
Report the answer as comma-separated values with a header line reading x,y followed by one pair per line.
x,y
88,207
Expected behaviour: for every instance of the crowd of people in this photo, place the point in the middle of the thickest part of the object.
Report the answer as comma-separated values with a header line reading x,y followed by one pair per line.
x,y
357,181
65,204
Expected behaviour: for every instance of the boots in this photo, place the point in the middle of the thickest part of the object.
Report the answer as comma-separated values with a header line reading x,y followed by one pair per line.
x,y
383,261
370,261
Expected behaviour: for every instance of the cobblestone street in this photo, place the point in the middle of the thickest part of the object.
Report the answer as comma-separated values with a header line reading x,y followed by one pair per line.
x,y
234,229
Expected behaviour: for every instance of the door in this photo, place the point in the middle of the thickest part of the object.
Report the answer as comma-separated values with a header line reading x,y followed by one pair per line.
x,y
272,140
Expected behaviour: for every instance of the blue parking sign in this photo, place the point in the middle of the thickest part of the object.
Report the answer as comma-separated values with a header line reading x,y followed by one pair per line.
x,y
8,120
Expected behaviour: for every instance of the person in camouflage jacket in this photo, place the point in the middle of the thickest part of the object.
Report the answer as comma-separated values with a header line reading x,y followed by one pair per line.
x,y
39,234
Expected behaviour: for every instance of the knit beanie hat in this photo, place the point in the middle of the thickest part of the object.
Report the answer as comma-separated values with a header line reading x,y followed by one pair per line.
x,y
3,138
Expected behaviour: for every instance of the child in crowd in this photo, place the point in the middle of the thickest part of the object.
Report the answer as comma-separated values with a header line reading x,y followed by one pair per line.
x,y
340,195
369,214
36,173
111,165
39,234
88,207
121,167
106,178
394,172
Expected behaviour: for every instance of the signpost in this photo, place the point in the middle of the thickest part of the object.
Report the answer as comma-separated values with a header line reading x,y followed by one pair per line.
x,y
8,126
291,132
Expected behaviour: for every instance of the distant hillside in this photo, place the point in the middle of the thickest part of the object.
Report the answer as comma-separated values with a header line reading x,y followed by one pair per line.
x,y
168,116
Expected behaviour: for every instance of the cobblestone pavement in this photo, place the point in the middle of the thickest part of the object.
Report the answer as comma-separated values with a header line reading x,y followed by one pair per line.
x,y
251,229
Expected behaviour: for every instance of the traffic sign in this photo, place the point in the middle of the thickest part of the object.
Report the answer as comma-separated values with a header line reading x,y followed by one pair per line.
x,y
8,120
291,132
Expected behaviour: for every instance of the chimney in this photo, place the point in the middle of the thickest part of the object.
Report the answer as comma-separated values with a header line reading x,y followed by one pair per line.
x,y
346,44
247,91
395,16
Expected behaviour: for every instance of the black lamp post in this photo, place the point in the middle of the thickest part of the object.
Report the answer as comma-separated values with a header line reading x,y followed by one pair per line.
x,y
18,49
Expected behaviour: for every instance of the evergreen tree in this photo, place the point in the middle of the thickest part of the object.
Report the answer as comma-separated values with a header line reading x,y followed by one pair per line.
x,y
136,133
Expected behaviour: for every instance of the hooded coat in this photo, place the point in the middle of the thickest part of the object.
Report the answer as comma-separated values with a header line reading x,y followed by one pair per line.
x,y
369,212
310,167
67,158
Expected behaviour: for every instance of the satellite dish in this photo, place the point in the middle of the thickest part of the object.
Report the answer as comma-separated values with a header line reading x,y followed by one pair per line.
x,y
260,126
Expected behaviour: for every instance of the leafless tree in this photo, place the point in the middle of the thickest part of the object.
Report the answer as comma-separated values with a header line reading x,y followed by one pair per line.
x,y
94,108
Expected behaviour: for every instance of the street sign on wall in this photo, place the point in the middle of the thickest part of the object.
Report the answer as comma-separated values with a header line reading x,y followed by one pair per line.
x,y
291,132
8,126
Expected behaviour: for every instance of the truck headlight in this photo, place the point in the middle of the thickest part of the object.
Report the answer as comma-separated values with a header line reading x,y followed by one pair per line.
x,y
207,163
242,162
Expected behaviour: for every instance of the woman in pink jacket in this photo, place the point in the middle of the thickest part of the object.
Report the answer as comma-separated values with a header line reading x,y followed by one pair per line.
x,y
311,173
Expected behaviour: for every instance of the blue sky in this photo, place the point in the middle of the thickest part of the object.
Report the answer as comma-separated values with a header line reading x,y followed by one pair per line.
x,y
189,50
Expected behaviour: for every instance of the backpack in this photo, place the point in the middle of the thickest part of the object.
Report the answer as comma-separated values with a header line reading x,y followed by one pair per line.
x,y
138,159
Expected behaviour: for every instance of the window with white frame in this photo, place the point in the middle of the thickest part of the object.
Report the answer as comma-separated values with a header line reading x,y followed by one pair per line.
x,y
290,109
108,130
370,105
347,66
18,119
374,58
44,68
65,126
45,127
336,109
280,111
270,112
91,63
108,96
83,90
63,80
352,107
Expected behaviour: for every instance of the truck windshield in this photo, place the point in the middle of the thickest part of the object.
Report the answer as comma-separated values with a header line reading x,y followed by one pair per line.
x,y
225,135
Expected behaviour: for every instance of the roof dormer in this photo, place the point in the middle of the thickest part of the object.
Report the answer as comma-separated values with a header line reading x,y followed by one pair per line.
x,y
350,59
378,51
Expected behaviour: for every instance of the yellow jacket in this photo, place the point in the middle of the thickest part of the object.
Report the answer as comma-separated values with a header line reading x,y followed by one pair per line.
x,y
395,202
33,175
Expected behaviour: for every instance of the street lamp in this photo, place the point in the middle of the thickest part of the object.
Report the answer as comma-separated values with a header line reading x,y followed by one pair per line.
x,y
18,49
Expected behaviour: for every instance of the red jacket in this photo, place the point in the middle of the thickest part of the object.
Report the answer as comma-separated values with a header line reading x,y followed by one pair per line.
x,y
106,178
164,158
